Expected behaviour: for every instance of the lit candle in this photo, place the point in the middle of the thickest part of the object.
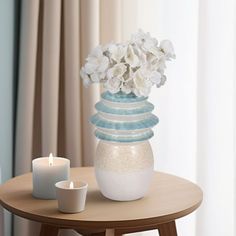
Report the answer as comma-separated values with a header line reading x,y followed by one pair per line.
x,y
50,159
71,196
46,172
71,185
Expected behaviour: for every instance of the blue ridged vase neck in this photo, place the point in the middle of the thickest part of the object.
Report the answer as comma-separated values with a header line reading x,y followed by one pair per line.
x,y
123,118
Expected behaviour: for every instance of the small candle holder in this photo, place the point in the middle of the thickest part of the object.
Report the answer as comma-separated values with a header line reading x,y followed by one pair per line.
x,y
71,196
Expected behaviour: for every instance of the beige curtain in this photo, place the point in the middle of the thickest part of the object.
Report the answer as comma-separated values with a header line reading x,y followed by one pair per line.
x,y
53,107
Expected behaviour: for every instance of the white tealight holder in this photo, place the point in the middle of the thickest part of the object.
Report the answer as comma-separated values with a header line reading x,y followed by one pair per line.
x,y
71,196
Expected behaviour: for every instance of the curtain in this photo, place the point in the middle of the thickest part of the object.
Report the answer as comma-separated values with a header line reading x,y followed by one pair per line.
x,y
53,107
216,117
195,137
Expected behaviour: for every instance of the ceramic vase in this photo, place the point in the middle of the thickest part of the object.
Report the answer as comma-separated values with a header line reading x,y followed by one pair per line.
x,y
124,159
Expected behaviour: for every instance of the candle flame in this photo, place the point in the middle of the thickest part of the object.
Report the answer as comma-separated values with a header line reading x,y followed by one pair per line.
x,y
71,185
50,159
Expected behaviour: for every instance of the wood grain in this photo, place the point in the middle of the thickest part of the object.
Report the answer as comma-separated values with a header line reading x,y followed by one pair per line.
x,y
169,198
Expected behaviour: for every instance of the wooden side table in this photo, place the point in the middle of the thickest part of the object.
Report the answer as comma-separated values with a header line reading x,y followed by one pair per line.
x,y
170,198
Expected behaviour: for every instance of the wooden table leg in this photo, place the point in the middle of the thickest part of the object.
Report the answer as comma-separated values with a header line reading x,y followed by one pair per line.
x,y
167,229
110,232
48,230
99,234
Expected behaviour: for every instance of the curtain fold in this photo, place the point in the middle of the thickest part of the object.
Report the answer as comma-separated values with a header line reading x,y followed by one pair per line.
x,y
111,14
72,83
50,75
53,107
89,35
26,93
26,85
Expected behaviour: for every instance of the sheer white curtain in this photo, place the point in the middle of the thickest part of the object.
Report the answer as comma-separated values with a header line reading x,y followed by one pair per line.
x,y
196,134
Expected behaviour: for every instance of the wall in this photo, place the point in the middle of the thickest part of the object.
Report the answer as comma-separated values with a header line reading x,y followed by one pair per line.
x,y
7,27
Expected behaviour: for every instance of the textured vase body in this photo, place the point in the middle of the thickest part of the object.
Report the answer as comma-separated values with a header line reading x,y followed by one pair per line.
x,y
124,159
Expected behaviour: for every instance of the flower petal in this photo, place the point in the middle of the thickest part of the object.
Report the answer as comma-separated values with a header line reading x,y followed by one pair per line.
x,y
103,64
168,49
131,58
90,67
85,77
155,77
95,77
117,52
113,85
117,70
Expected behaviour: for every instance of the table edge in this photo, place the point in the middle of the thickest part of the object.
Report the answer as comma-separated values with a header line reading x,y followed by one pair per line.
x,y
102,224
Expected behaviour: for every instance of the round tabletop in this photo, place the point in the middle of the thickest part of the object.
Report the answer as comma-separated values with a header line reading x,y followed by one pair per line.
x,y
169,198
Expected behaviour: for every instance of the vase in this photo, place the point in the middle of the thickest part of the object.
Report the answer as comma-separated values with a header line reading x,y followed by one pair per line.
x,y
124,161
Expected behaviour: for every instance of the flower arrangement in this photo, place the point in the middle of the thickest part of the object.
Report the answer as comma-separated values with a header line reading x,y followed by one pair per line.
x,y
134,66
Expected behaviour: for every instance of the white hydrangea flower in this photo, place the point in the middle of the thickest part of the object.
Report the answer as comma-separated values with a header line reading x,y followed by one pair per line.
x,y
102,75
117,52
103,63
155,77
127,86
96,52
155,63
116,71
161,65
131,67
95,78
142,85
163,80
96,61
150,45
141,55
85,77
168,49
140,38
90,66
131,58
146,42
113,84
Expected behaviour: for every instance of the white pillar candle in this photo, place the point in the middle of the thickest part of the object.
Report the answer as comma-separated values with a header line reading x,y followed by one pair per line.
x,y
71,196
46,172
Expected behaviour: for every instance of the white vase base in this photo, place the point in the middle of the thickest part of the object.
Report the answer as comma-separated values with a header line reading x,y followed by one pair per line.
x,y
120,186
